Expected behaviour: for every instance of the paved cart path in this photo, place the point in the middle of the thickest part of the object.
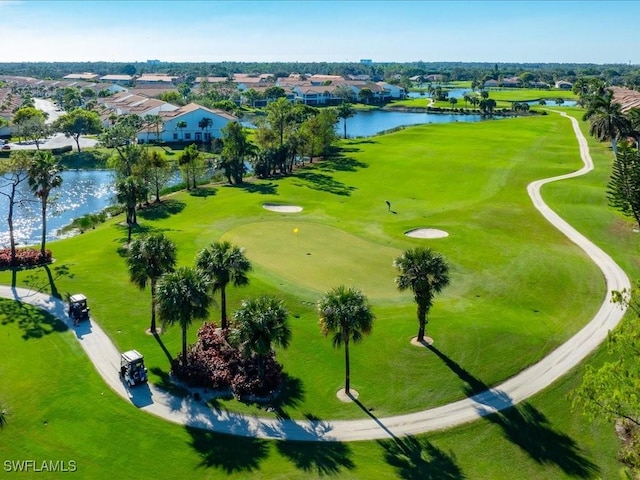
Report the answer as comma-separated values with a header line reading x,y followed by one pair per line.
x,y
187,411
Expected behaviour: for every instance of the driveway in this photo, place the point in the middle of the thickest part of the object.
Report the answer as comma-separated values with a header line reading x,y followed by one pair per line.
x,y
57,140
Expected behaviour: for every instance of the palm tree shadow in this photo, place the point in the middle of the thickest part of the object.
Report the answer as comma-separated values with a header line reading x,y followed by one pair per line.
x,y
229,453
291,395
203,192
58,271
415,459
419,459
164,349
322,182
322,458
164,209
262,188
524,425
34,322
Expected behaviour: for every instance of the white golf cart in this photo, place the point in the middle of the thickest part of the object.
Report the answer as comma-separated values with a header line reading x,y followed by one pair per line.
x,y
132,369
78,308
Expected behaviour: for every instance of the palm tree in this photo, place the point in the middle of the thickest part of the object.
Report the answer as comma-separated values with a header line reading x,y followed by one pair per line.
x,y
425,273
149,258
259,324
634,117
180,126
223,263
43,176
345,313
346,110
183,296
606,120
204,124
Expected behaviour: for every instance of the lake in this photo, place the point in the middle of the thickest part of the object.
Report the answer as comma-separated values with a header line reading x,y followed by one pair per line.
x,y
82,192
371,122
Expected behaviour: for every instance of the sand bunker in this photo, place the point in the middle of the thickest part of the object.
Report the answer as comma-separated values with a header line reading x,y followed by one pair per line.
x,y
426,233
282,208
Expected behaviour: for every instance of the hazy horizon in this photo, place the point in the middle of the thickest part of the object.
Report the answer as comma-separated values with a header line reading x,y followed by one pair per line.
x,y
321,31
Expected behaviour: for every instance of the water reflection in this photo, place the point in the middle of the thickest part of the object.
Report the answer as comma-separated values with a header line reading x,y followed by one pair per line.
x,y
82,192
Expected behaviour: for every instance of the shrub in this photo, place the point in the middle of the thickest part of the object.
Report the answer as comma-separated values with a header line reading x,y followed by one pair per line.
x,y
61,150
213,363
25,257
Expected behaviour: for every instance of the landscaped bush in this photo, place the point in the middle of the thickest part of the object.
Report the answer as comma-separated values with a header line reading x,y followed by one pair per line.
x,y
61,150
25,257
214,363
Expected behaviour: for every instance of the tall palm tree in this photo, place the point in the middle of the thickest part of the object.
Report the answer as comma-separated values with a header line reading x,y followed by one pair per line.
x,y
606,120
346,110
345,313
425,273
43,176
259,324
183,296
149,258
223,263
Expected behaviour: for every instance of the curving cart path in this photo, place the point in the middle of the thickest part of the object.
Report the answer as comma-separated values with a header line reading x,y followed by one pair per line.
x,y
187,411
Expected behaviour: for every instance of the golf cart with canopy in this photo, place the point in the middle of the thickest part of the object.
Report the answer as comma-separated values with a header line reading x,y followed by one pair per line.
x,y
78,308
132,369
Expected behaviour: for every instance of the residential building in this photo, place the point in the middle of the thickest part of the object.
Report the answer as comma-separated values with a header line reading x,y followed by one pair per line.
x,y
191,130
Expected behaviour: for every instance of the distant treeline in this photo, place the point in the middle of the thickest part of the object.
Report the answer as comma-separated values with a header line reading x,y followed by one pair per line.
x,y
453,71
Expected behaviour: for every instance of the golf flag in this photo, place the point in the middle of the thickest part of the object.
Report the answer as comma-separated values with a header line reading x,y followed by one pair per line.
x,y
295,230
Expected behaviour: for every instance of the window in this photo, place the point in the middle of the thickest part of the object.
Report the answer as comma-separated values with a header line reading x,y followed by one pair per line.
x,y
175,136
187,136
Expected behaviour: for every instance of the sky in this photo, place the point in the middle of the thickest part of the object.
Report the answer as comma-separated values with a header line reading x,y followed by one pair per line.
x,y
509,31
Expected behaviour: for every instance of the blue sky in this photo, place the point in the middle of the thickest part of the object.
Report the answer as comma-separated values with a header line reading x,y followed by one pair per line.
x,y
330,30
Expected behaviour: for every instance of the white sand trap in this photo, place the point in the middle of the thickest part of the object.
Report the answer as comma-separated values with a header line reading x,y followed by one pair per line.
x,y
426,233
282,208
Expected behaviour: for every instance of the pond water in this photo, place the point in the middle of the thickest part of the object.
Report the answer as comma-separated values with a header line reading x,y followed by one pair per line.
x,y
82,192
454,92
372,122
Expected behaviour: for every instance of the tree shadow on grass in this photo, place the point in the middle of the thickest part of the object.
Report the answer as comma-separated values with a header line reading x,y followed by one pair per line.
x,y
35,283
291,395
262,188
34,322
136,232
164,209
321,458
203,192
229,453
167,353
524,425
322,182
341,163
419,459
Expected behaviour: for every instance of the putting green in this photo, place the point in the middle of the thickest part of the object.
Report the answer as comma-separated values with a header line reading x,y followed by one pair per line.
x,y
319,257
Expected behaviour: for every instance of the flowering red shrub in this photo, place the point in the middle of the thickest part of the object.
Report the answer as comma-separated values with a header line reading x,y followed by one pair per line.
x,y
25,257
213,363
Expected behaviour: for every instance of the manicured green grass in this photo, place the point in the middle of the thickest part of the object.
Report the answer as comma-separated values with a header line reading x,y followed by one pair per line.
x,y
518,289
504,98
